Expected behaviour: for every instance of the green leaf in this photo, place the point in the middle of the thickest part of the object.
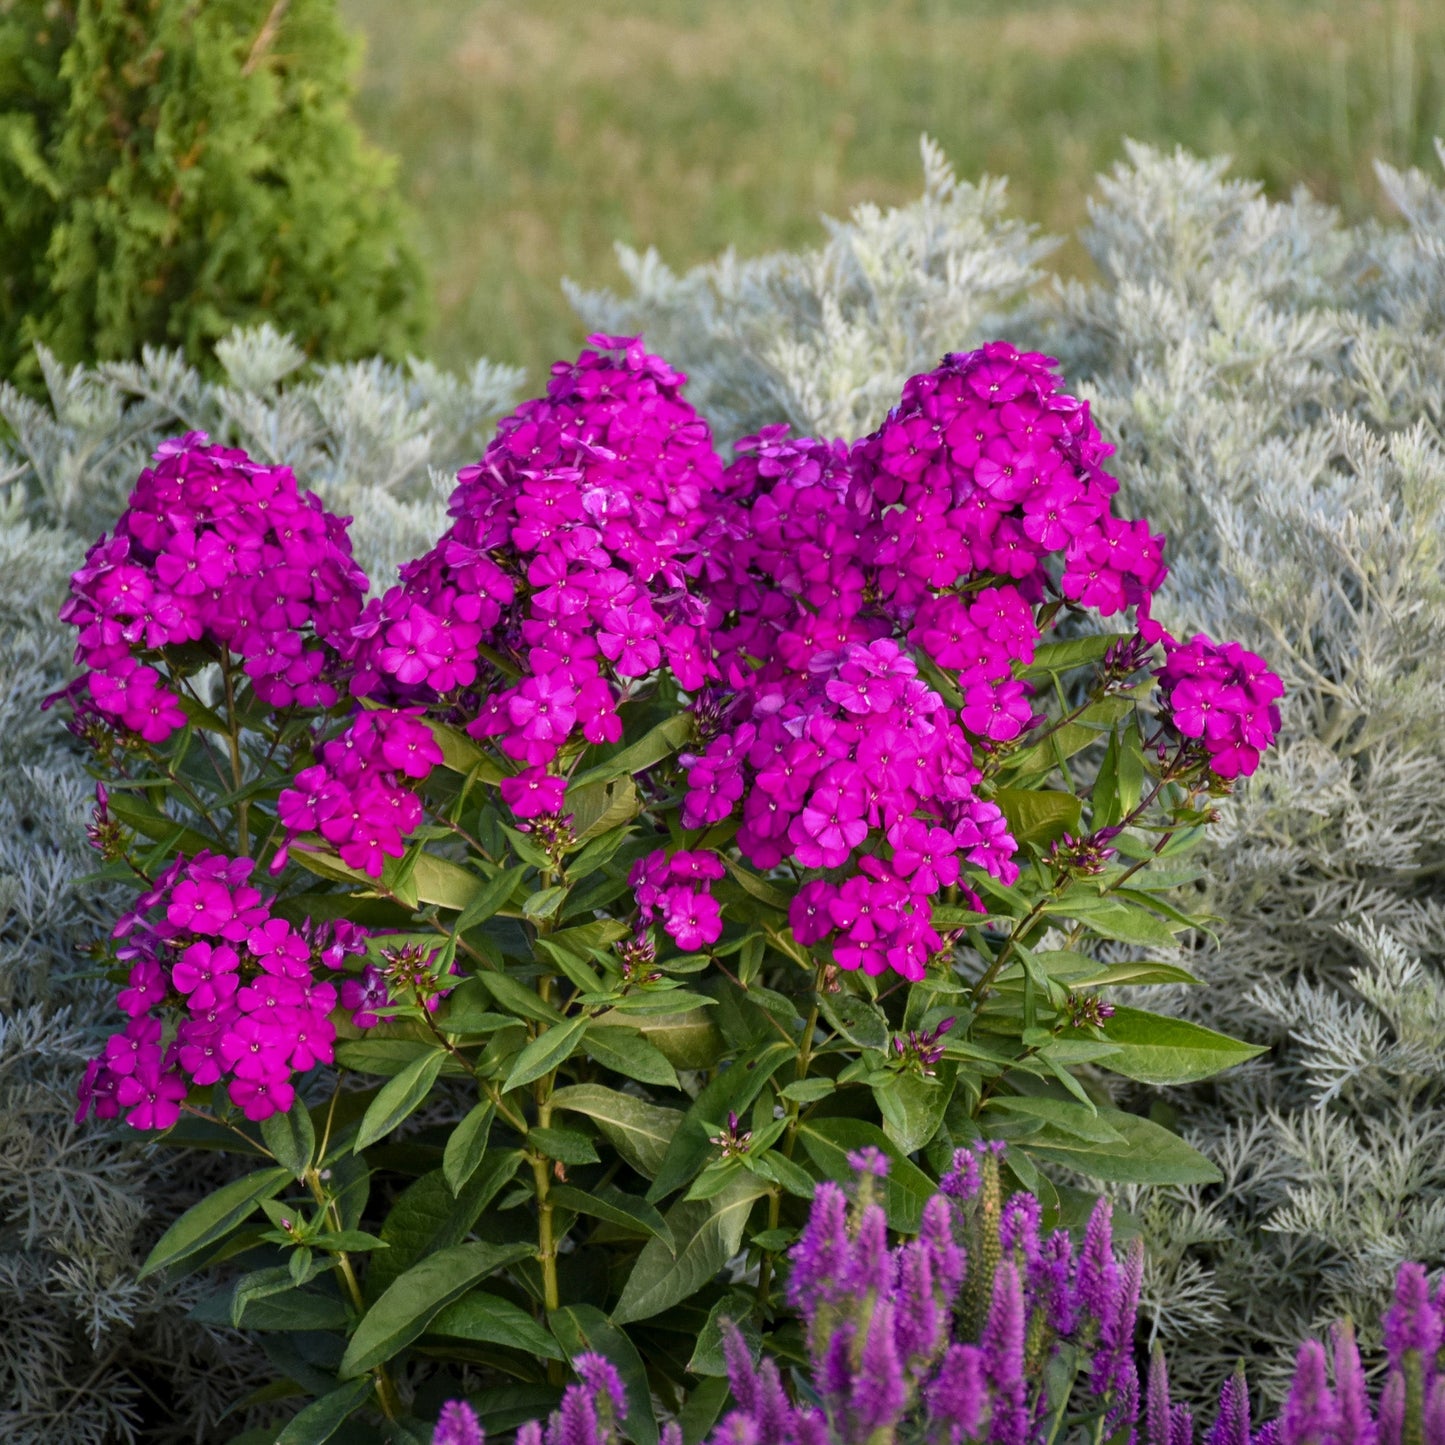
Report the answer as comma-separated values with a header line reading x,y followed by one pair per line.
x,y
598,808
518,999
1140,971
1156,1049
906,1189
625,1051
712,1231
490,896
689,1040
466,1146
571,1146
550,1048
1120,783
649,750
1148,1154
608,1202
731,1091
262,1284
912,1107
639,1131
461,755
1038,815
759,888
496,1321
447,884
322,1418
412,1301
387,1057
857,1019
776,1167
214,1217
1071,1117
399,1098
707,1357
1112,918
291,1138
427,1217
1056,657
809,1091
582,1329
545,903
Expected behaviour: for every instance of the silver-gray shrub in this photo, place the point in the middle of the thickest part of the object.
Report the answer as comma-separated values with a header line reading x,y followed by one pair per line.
x,y
89,1354
1274,379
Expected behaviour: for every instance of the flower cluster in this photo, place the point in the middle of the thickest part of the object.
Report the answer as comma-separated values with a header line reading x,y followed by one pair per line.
x,y
218,990
1222,696
219,551
564,576
857,745
406,977
355,796
677,888
947,1339
589,1414
837,576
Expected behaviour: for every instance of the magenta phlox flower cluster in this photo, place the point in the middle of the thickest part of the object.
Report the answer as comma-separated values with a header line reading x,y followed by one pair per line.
x,y
857,746
987,468
569,558
676,888
831,571
219,990
1221,695
214,549
359,794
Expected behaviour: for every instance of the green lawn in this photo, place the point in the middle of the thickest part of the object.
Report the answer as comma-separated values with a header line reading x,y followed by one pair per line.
x,y
533,134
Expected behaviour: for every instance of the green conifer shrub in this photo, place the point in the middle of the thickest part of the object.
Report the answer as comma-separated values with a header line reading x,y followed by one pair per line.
x,y
170,170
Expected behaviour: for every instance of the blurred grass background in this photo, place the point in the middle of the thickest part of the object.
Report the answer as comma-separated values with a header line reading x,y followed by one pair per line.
x,y
533,134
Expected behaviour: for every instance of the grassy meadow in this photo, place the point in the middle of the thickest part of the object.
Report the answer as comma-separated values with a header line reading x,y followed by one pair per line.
x,y
534,134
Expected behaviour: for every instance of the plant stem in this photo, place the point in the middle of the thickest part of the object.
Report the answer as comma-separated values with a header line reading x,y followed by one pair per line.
x,y
233,740
542,1175
789,1140
386,1395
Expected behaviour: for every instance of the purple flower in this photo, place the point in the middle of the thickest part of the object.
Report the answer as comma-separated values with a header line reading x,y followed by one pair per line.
x,y
458,1425
1231,1424
1002,1345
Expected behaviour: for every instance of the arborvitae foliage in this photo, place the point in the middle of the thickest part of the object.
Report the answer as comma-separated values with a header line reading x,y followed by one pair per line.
x,y
1275,381
88,1353
170,170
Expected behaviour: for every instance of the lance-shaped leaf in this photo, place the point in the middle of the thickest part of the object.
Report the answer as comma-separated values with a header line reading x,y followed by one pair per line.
x,y
210,1221
399,1098
545,1052
413,1300
607,1202
711,1231
639,1131
1156,1049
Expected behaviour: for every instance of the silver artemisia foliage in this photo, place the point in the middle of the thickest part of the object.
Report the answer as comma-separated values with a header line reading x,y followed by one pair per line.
x,y
1275,381
89,1355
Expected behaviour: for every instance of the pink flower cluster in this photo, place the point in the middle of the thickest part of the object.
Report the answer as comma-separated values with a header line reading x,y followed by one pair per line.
x,y
569,560
1222,695
215,549
219,989
355,796
833,571
677,888
858,746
